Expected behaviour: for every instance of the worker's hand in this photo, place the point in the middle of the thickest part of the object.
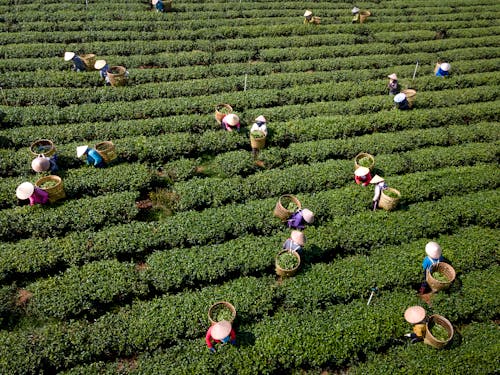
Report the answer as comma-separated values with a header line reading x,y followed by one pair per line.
x,y
233,342
211,350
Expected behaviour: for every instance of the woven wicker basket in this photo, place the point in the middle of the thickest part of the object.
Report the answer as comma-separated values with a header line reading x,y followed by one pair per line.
x,y
446,270
442,321
168,5
362,155
283,213
411,95
117,79
217,304
43,147
55,192
220,115
89,61
107,151
284,272
363,15
316,20
258,143
388,203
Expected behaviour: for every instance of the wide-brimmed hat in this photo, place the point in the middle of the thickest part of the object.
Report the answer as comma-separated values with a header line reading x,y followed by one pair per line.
x,y
154,2
80,150
414,314
232,119
68,56
445,67
99,64
298,237
25,190
355,10
40,163
260,119
361,171
399,98
308,215
433,250
221,329
376,179
308,13
393,76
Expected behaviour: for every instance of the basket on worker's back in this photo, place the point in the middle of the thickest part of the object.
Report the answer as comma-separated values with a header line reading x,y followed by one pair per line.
x,y
363,15
53,185
316,20
167,4
282,209
222,110
281,270
387,201
107,151
43,147
364,160
116,75
257,139
89,61
212,312
411,95
446,270
444,323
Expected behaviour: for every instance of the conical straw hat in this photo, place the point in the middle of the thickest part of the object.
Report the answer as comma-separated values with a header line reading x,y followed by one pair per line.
x,y
68,56
40,164
221,329
25,190
414,314
445,67
232,119
376,179
393,76
308,215
399,97
308,13
355,10
433,250
154,2
361,171
80,150
260,119
298,237
99,64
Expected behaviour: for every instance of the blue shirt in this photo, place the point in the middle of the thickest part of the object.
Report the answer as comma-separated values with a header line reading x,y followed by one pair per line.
x,y
93,158
428,262
79,64
290,245
104,71
159,6
442,73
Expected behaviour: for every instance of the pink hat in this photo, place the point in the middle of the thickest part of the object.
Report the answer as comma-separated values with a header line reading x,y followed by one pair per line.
x,y
232,119
414,314
433,250
40,163
308,215
298,237
221,329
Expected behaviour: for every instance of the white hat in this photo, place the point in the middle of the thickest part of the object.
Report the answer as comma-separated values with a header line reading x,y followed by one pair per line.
x,y
221,330
40,163
399,98
154,2
433,250
80,150
25,190
298,237
445,67
414,314
376,179
260,119
232,119
68,56
361,171
355,10
308,13
308,215
393,76
99,64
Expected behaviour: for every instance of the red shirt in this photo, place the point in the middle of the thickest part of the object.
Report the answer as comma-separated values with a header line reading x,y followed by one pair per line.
x,y
209,339
363,179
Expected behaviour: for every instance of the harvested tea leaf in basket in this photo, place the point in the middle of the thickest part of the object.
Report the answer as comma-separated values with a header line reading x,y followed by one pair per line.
x,y
440,277
439,332
48,184
365,162
257,134
288,261
221,312
391,194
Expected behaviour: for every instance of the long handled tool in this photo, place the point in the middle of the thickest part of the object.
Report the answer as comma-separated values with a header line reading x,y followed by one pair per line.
x,y
374,290
415,71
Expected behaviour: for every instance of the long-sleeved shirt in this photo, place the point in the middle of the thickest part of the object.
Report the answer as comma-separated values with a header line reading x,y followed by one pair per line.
x,y
393,87
93,158
291,245
365,180
39,196
103,72
419,329
441,73
428,262
210,340
296,221
378,190
79,64
228,127
159,6
259,126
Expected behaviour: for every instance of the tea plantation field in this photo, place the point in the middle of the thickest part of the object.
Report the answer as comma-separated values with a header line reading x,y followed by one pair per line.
x,y
117,278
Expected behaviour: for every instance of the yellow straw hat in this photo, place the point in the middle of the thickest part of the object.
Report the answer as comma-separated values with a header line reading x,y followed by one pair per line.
x,y
25,190
221,329
414,314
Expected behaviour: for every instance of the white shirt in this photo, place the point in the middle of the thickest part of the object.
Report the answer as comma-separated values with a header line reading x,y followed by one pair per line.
x,y
262,128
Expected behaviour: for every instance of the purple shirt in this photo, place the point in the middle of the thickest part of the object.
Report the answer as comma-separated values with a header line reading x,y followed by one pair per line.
x,y
296,221
39,196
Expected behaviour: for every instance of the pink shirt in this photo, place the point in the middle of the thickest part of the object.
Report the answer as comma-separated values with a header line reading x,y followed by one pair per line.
x,y
229,127
39,196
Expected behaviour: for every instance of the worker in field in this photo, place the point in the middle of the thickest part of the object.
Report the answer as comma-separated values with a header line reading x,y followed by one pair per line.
x,y
415,315
295,242
27,190
93,156
310,19
78,64
159,6
230,122
380,185
434,255
103,68
393,84
362,176
43,163
300,218
221,332
401,102
443,70
260,124
355,14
